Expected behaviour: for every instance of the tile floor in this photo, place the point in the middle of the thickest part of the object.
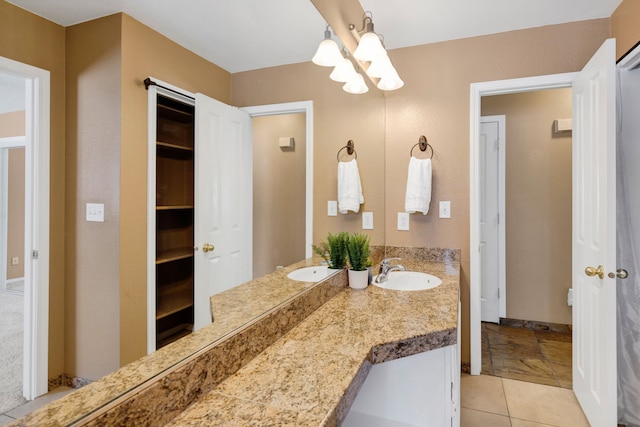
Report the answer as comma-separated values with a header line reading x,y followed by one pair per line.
x,y
490,401
542,357
27,408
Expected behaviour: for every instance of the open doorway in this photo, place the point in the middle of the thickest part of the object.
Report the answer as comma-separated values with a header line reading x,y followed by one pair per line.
x,y
530,339
279,172
24,240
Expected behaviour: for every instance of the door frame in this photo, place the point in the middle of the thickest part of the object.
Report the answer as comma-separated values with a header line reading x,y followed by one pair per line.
x,y
292,108
477,91
37,206
502,270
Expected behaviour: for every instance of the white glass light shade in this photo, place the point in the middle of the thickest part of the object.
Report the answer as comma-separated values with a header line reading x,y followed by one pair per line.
x,y
369,47
356,85
380,66
391,81
328,54
343,72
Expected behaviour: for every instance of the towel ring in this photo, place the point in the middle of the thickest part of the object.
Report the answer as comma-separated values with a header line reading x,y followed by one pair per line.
x,y
350,150
423,144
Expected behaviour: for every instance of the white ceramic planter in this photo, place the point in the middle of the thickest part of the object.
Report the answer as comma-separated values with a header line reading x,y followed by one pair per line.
x,y
358,279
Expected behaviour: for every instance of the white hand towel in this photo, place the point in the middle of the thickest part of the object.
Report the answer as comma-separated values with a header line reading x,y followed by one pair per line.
x,y
418,195
349,187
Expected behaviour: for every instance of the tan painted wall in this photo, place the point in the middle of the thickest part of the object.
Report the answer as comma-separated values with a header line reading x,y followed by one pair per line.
x,y
13,124
625,27
147,53
538,203
15,214
338,117
93,166
27,38
278,192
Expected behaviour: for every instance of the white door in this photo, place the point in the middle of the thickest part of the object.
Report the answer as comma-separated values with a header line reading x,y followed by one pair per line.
x,y
490,254
224,202
594,238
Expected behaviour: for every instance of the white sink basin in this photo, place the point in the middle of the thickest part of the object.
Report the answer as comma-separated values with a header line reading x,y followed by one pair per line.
x,y
409,281
309,274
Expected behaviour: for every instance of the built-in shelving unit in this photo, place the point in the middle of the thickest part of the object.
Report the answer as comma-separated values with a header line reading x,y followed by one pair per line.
x,y
174,220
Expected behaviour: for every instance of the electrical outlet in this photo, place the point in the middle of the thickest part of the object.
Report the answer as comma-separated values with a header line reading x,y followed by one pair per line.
x,y
332,208
445,209
367,220
403,221
15,260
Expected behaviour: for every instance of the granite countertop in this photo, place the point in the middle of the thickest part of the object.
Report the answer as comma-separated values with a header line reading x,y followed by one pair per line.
x,y
312,374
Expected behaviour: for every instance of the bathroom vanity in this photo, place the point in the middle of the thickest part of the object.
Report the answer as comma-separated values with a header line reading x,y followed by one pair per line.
x,y
302,363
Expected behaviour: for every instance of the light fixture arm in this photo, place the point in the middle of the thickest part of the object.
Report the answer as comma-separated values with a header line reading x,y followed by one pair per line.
x,y
367,24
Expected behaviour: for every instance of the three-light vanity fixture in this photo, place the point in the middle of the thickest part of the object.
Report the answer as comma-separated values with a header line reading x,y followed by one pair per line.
x,y
370,55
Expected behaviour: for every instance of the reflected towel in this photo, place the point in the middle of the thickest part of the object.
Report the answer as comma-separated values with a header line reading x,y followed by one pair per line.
x,y
349,187
418,195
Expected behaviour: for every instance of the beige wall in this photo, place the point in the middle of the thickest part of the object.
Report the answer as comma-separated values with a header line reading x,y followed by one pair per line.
x,y
279,178
27,38
625,27
147,53
13,124
338,117
15,214
93,166
538,203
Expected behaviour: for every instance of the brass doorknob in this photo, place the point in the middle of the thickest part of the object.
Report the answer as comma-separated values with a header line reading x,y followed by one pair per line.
x,y
620,273
208,247
592,271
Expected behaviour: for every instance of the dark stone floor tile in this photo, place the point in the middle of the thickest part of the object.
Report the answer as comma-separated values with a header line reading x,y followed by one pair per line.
x,y
553,336
556,351
522,366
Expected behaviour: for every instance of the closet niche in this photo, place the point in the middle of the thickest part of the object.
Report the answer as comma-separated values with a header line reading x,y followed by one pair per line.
x,y
174,220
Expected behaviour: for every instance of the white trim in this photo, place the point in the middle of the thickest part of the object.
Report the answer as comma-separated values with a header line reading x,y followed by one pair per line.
x,y
502,268
631,60
290,108
477,91
37,167
13,142
152,97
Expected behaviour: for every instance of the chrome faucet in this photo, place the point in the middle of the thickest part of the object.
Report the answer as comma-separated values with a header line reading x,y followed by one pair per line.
x,y
385,269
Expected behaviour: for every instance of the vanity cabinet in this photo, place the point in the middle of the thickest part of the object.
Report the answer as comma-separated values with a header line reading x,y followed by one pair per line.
x,y
415,391
174,265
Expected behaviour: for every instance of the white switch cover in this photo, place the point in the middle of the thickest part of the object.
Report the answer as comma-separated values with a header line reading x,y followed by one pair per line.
x,y
367,220
15,260
403,221
445,209
95,212
332,208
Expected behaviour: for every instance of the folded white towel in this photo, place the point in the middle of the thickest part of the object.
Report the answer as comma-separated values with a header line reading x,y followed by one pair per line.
x,y
418,195
349,187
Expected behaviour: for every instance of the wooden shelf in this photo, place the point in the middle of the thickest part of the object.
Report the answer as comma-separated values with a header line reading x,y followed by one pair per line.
x,y
173,255
173,334
174,114
171,208
168,306
174,151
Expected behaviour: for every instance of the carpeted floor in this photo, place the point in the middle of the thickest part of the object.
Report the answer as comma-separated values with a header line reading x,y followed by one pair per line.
x,y
11,330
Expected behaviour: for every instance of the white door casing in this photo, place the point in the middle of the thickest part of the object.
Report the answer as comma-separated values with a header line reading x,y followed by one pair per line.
x,y
36,295
594,237
491,151
223,200
478,90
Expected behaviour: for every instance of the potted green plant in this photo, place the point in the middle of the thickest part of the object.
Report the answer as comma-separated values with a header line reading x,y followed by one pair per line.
x,y
358,252
334,250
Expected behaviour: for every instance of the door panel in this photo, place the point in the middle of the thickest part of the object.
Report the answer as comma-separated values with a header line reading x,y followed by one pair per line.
x,y
489,220
594,237
224,200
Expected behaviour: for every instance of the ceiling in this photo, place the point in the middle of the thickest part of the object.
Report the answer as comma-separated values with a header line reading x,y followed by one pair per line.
x,y
240,35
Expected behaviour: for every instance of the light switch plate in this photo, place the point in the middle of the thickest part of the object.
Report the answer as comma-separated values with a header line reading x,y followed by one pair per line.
x,y
95,212
367,220
403,221
332,208
445,209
